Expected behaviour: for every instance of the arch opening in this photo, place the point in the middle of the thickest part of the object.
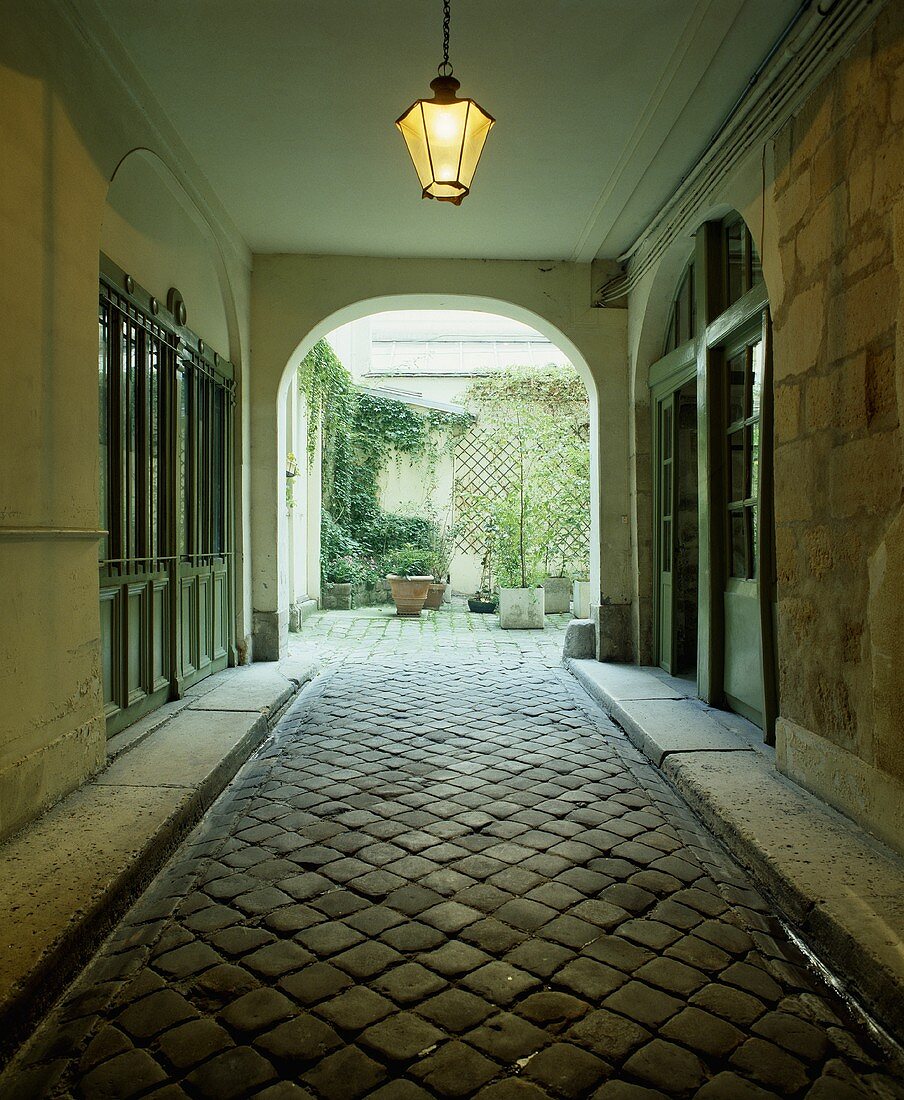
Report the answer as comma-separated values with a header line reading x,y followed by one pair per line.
x,y
298,537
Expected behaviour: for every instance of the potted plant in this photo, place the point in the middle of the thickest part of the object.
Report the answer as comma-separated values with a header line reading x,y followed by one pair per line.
x,y
521,599
409,578
484,601
442,546
556,585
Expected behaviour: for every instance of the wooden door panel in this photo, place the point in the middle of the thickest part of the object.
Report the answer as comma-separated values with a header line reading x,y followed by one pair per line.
x,y
205,616
666,495
221,612
110,627
743,657
188,617
160,662
136,643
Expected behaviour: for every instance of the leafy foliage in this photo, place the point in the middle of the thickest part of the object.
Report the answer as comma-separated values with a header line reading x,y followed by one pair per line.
x,y
541,418
409,561
360,433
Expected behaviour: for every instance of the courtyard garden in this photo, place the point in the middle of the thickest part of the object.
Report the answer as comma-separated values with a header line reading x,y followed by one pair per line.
x,y
498,488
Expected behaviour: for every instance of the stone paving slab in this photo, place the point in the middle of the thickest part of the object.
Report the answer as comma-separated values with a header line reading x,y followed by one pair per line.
x,y
840,887
66,877
449,875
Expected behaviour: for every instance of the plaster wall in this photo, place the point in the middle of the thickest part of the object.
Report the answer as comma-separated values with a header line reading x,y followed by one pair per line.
x,y
839,393
67,121
297,299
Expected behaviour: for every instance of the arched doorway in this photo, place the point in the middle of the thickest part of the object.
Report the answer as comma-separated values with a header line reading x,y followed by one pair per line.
x,y
167,445
713,527
289,566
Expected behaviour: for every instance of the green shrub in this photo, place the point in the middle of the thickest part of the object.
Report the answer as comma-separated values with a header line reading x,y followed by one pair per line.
x,y
409,561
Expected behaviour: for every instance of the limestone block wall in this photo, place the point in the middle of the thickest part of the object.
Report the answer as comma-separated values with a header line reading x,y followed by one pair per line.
x,y
839,394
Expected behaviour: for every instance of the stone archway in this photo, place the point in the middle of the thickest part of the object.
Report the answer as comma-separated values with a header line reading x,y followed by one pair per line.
x,y
594,343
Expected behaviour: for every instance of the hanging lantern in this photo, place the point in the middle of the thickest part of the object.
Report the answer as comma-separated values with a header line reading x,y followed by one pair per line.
x,y
445,135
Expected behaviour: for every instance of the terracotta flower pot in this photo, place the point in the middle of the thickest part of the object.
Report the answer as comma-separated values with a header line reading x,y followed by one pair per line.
x,y
435,593
409,593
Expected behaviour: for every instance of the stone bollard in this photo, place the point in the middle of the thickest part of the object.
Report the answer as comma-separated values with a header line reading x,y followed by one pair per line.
x,y
580,639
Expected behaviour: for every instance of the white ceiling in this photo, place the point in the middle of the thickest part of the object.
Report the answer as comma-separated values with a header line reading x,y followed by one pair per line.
x,y
602,106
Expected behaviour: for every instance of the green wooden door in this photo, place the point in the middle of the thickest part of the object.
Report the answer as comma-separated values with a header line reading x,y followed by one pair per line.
x,y
165,430
666,497
743,668
204,410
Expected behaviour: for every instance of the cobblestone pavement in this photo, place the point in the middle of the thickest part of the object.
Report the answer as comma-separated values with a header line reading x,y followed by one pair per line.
x,y
448,876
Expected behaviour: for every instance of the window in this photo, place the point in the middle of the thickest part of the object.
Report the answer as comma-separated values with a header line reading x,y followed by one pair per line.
x,y
741,261
683,317
744,373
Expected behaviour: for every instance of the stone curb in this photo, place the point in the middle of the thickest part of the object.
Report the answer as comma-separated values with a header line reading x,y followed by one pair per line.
x,y
69,876
838,886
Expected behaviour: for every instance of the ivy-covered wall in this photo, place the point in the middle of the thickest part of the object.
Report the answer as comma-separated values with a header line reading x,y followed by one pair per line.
x,y
361,435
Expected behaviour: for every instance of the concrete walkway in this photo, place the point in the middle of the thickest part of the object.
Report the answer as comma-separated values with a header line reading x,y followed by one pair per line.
x,y
449,875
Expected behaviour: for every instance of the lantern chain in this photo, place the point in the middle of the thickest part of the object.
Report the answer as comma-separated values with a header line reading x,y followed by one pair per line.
x,y
447,17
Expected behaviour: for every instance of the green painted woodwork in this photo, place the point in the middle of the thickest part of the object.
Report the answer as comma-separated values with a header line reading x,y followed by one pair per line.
x,y
667,496
736,656
165,422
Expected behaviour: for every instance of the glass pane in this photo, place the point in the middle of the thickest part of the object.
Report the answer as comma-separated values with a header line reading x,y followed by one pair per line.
x,y
666,432
737,376
756,352
667,489
754,547
754,444
734,262
154,448
683,311
184,443
692,323
670,343
738,543
736,464
130,350
756,265
217,472
102,422
666,546
476,131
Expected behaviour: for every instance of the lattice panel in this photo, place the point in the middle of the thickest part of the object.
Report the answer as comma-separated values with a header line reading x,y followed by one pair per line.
x,y
483,471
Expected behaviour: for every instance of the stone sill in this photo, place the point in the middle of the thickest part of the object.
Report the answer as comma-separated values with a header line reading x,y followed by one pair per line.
x,y
68,876
834,883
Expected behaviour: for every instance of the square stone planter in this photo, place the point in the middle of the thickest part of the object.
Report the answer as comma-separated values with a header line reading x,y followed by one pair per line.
x,y
521,608
336,597
557,595
581,600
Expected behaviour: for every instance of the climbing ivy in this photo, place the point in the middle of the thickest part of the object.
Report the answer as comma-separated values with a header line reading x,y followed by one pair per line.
x,y
360,434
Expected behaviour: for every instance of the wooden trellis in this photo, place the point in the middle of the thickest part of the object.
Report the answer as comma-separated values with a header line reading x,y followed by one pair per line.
x,y
484,471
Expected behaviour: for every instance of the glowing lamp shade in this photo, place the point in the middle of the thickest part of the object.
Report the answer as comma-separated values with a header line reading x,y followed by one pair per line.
x,y
445,137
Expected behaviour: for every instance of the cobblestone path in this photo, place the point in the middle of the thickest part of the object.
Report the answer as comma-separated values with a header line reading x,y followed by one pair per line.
x,y
449,877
